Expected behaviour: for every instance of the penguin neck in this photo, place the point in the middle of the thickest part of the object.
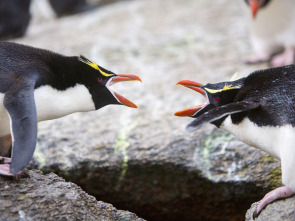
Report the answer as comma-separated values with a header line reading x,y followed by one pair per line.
x,y
52,103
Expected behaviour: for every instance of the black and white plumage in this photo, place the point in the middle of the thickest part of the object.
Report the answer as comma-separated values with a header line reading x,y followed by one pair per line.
x,y
38,85
259,110
272,31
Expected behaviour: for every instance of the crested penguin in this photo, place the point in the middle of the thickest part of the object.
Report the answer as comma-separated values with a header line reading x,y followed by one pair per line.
x,y
272,31
14,18
258,110
38,85
68,7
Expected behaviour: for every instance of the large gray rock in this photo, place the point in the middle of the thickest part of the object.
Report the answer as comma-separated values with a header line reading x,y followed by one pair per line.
x,y
49,197
283,210
143,160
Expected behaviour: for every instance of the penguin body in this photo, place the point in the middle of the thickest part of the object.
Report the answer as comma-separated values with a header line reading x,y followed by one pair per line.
x,y
272,30
257,109
14,18
67,7
38,85
259,136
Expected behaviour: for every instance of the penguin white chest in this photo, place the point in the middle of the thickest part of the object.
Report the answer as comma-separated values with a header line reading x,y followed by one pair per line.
x,y
267,138
51,104
275,23
4,118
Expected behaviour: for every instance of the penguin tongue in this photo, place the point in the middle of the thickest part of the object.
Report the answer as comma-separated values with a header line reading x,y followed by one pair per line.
x,y
124,77
193,110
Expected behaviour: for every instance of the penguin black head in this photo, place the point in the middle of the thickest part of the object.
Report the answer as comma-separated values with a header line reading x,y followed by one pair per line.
x,y
256,5
218,96
98,81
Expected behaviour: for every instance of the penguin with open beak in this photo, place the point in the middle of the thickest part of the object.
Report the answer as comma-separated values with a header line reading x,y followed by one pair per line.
x,y
38,85
259,110
272,31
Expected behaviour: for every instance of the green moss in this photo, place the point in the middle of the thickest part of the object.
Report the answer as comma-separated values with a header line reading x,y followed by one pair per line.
x,y
121,148
216,139
275,175
21,197
40,157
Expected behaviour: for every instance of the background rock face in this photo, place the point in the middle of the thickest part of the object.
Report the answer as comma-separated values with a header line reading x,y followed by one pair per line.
x,y
49,197
143,160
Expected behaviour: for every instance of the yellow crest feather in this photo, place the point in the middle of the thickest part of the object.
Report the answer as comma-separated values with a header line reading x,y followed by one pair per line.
x,y
225,88
94,65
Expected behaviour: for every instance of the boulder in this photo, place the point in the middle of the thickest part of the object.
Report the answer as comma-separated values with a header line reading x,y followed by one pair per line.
x,y
143,160
49,197
282,210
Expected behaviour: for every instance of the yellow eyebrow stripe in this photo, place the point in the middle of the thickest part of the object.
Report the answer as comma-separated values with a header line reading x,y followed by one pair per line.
x,y
225,88
95,66
212,91
103,73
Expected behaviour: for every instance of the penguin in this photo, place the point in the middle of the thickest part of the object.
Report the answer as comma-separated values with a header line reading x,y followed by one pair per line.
x,y
38,85
258,110
14,18
272,31
68,7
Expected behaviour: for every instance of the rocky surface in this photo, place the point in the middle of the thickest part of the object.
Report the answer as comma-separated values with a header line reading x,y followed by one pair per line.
x,y
143,160
282,210
49,197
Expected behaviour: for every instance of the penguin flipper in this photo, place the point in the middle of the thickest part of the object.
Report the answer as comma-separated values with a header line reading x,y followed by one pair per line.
x,y
20,104
220,112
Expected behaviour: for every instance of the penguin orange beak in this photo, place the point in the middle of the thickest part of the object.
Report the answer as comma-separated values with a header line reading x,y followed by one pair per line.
x,y
255,5
193,110
124,77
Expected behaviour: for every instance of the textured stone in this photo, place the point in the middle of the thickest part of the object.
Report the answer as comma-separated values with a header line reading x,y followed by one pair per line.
x,y
49,197
283,210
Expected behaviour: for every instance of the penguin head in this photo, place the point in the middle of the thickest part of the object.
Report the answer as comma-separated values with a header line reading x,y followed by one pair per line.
x,y
255,5
216,95
98,80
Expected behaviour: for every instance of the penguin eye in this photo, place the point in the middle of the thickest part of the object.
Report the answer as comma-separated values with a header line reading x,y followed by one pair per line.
x,y
217,99
99,80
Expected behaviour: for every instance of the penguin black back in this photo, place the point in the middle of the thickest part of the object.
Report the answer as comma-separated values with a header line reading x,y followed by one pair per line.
x,y
48,67
274,90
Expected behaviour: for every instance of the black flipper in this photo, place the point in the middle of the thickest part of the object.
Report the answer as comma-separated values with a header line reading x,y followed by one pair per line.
x,y
220,112
20,104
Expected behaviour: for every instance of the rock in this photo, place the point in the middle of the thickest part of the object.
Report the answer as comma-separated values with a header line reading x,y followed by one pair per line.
x,y
49,197
282,210
143,160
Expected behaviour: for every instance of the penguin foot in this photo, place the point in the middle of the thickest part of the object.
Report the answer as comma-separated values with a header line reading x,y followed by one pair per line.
x,y
285,58
5,171
278,193
21,174
257,58
5,160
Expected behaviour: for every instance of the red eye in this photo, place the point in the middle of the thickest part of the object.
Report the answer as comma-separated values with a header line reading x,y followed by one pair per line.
x,y
99,80
217,99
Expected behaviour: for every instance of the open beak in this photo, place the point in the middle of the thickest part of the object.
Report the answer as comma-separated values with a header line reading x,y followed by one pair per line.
x,y
193,110
255,5
119,78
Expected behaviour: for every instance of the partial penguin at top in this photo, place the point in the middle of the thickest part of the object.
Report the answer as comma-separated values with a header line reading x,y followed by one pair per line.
x,y
272,30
